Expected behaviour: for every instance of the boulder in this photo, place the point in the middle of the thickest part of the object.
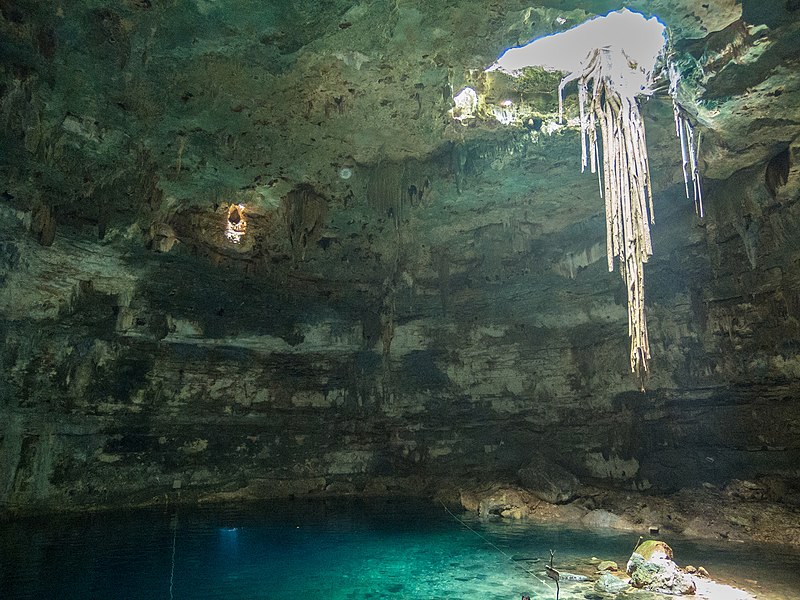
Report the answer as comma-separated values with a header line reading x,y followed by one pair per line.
x,y
658,573
548,481
745,490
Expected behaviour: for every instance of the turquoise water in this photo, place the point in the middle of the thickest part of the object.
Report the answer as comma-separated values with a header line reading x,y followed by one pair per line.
x,y
331,551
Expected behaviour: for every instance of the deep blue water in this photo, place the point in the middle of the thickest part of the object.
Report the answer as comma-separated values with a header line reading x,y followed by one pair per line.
x,y
331,551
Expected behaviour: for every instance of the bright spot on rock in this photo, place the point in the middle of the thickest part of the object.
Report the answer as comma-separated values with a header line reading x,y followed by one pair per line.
x,y
236,224
195,447
552,127
466,104
345,173
504,113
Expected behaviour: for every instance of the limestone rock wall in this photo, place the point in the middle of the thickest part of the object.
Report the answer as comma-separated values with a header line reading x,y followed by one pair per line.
x,y
415,302
109,399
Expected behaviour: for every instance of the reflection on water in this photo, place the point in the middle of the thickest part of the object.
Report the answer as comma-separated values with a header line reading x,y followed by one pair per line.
x,y
332,550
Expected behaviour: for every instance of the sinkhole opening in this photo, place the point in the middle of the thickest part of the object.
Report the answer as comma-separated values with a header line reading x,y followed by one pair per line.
x,y
631,43
615,60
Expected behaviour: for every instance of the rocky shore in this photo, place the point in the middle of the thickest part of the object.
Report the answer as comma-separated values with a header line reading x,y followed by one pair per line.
x,y
734,512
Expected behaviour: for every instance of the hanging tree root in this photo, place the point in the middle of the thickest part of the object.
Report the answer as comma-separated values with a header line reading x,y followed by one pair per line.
x,y
626,188
607,100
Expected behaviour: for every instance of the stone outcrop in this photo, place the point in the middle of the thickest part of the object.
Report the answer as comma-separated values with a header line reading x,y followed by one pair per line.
x,y
548,481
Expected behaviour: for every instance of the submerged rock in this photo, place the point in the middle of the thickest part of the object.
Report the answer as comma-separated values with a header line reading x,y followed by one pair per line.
x,y
608,565
610,584
572,577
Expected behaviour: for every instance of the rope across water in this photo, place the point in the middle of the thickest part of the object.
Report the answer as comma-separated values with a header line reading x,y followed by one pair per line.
x,y
496,547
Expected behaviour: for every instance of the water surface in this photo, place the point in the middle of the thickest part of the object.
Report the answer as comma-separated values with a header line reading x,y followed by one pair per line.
x,y
332,551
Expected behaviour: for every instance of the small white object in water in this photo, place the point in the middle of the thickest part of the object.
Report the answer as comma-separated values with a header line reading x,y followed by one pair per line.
x,y
345,173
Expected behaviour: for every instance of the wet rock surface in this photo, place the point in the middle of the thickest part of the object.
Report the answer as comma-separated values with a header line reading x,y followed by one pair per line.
x,y
694,513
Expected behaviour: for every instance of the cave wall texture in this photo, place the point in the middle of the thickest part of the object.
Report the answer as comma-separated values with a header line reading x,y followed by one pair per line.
x,y
440,315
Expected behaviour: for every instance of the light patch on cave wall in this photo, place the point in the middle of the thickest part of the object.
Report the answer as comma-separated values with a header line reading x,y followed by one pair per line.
x,y
235,224
466,104
505,113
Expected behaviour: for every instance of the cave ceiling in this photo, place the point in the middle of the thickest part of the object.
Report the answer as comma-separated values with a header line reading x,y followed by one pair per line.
x,y
130,128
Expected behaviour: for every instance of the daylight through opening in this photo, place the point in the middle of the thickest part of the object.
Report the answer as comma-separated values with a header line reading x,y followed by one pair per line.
x,y
615,59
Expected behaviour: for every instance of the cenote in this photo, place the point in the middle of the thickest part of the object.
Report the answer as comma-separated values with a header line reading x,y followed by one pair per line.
x,y
271,270
338,550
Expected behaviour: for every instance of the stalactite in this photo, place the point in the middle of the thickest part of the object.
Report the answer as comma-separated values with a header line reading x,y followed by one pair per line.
x,y
179,159
43,224
689,149
304,212
777,172
690,144
385,191
624,176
